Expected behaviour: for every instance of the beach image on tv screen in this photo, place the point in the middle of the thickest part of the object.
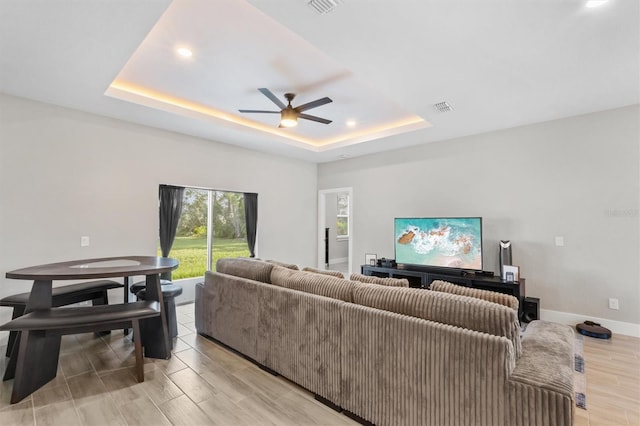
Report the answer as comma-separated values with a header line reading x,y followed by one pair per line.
x,y
442,242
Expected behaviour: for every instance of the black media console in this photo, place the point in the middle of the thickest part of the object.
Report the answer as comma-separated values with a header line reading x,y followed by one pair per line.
x,y
424,278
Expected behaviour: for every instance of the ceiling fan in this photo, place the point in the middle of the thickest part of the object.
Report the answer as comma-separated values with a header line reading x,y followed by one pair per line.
x,y
288,114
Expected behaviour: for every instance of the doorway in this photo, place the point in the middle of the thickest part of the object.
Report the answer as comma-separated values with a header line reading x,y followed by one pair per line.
x,y
335,229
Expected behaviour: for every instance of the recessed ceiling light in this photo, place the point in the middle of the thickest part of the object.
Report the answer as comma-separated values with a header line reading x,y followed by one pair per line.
x,y
351,123
595,3
183,51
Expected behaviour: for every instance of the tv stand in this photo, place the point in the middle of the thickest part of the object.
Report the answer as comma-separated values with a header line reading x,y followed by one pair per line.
x,y
423,277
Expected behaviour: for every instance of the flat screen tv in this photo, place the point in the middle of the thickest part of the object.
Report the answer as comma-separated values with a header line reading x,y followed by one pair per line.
x,y
439,242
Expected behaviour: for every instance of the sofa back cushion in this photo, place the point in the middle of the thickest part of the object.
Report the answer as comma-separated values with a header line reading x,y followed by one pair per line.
x,y
283,264
230,311
244,267
491,296
336,274
391,282
323,285
445,308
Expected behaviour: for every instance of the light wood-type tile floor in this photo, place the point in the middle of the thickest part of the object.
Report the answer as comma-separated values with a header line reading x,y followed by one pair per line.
x,y
206,384
613,382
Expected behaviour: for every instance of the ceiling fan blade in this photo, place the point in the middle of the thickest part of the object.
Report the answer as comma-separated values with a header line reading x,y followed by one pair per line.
x,y
273,97
314,118
259,111
313,104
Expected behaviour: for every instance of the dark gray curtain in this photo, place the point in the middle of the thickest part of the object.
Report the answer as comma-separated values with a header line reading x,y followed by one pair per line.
x,y
251,218
170,210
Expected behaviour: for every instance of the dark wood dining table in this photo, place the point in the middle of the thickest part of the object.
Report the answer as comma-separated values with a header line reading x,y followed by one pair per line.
x,y
154,336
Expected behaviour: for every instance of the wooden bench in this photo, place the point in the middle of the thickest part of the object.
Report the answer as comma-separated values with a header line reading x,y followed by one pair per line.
x,y
41,329
96,291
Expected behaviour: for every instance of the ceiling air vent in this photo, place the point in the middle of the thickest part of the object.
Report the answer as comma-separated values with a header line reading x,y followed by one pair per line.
x,y
443,107
324,6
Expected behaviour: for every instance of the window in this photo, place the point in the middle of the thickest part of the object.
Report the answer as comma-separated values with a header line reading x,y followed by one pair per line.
x,y
212,225
342,224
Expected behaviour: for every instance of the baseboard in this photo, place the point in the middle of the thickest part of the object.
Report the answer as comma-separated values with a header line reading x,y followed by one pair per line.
x,y
618,327
328,403
338,260
268,370
357,418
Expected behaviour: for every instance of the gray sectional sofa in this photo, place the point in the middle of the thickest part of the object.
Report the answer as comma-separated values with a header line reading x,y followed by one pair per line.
x,y
393,355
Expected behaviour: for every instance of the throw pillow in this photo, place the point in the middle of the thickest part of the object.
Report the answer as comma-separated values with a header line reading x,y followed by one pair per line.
x,y
336,274
320,284
285,265
244,267
446,308
391,282
490,296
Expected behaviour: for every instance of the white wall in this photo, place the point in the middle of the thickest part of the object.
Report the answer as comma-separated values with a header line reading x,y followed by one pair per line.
x,y
66,174
577,177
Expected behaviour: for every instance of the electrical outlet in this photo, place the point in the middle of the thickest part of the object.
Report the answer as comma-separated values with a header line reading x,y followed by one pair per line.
x,y
84,241
559,241
613,304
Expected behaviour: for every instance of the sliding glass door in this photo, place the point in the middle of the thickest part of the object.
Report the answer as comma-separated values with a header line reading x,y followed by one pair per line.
x,y
212,225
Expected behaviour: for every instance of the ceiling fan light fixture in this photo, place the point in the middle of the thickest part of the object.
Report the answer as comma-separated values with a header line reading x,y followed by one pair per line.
x,y
288,114
288,118
185,52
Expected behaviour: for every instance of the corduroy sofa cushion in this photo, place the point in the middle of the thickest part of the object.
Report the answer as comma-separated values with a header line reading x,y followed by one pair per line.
x,y
336,274
284,265
244,267
542,382
445,308
491,296
227,310
299,337
323,285
391,282
401,370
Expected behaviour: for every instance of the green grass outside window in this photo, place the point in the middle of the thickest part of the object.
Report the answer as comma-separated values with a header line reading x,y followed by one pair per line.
x,y
191,252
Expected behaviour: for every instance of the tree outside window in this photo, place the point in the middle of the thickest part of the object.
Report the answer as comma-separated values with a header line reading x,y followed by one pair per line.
x,y
342,224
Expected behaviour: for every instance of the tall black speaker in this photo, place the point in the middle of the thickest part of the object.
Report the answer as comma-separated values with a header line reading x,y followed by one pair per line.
x,y
530,309
326,248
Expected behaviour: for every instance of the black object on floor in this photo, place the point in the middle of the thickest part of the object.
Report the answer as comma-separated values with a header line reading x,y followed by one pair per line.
x,y
593,329
169,293
141,285
530,309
